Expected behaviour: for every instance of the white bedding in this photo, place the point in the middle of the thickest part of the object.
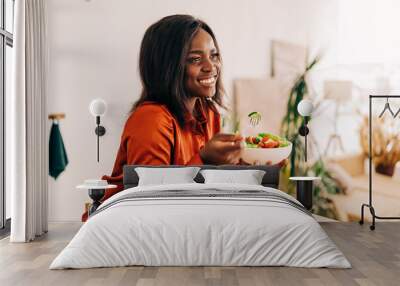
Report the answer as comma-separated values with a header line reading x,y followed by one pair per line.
x,y
200,231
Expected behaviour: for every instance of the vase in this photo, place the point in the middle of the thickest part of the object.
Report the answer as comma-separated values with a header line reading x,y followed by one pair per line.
x,y
385,170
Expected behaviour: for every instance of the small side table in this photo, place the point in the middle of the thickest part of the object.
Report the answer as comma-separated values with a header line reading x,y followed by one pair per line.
x,y
96,193
304,190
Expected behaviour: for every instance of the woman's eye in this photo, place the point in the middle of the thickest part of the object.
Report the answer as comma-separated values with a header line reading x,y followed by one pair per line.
x,y
215,56
194,60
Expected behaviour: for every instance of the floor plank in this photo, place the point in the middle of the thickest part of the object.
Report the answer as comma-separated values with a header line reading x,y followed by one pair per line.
x,y
374,255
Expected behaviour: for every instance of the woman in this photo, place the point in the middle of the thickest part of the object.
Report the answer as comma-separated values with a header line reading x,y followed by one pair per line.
x,y
175,121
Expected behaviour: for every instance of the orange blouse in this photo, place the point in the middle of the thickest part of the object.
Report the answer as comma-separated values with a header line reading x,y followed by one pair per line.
x,y
152,136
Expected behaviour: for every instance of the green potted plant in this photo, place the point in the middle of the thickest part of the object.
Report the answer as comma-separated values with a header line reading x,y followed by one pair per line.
x,y
296,166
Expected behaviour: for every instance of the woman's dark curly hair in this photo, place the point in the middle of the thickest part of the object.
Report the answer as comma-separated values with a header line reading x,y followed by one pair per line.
x,y
162,60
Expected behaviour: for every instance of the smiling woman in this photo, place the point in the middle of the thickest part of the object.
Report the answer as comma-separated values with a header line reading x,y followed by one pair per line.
x,y
176,121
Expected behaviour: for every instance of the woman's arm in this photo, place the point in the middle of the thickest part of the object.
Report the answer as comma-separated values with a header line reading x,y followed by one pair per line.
x,y
149,137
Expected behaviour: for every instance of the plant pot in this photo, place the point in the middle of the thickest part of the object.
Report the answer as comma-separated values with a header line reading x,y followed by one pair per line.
x,y
384,170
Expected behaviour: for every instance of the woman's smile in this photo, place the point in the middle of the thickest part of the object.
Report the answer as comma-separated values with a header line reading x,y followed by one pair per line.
x,y
208,81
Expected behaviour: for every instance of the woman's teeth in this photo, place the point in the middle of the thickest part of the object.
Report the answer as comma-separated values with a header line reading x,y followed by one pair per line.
x,y
207,81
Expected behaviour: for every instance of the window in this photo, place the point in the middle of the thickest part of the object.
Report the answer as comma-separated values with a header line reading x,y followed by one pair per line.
x,y
6,62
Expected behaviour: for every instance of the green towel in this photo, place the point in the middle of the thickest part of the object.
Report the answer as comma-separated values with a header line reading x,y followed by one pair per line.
x,y
58,159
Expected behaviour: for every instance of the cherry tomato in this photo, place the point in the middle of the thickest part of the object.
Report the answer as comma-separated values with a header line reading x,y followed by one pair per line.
x,y
270,144
265,139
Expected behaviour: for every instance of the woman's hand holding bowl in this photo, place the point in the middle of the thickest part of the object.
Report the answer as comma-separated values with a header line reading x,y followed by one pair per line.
x,y
222,149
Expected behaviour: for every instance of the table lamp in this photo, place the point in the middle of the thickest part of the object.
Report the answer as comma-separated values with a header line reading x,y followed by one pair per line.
x,y
340,92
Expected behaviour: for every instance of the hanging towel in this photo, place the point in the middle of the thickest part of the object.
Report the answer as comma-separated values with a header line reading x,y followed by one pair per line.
x,y
58,159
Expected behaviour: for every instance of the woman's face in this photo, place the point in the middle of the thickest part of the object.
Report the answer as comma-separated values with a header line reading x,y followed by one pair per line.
x,y
202,66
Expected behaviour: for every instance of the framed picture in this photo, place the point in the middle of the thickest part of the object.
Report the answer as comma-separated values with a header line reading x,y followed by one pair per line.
x,y
287,60
266,96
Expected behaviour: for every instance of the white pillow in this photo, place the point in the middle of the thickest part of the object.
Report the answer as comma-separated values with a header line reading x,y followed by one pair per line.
x,y
249,177
164,176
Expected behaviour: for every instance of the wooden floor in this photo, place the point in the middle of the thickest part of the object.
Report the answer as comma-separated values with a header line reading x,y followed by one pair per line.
x,y
375,257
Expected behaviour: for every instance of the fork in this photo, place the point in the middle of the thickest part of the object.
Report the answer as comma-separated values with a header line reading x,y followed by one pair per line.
x,y
255,118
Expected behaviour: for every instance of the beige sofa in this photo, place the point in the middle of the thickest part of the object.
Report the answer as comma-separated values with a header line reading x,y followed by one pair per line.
x,y
352,173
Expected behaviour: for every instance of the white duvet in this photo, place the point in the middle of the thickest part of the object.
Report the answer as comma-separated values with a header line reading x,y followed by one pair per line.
x,y
200,231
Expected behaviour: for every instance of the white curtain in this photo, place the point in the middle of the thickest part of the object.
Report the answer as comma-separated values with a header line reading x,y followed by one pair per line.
x,y
28,151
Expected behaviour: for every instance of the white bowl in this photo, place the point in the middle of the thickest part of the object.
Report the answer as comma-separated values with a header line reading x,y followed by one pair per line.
x,y
260,156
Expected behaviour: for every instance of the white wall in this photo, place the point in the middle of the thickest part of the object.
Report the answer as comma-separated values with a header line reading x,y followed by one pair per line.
x,y
94,50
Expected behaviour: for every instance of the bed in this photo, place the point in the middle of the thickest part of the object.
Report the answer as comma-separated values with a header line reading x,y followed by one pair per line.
x,y
201,224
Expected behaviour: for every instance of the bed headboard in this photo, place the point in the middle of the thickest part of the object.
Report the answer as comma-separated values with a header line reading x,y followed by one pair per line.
x,y
270,179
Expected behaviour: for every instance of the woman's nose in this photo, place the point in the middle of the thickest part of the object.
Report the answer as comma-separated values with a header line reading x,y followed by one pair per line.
x,y
207,66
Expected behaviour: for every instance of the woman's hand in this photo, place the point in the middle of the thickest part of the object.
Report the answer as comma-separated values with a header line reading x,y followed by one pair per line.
x,y
222,149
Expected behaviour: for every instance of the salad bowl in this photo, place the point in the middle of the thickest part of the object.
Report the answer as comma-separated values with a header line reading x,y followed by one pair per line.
x,y
265,148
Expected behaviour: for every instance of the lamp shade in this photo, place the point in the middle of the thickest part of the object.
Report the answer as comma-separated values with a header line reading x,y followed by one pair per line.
x,y
98,107
305,107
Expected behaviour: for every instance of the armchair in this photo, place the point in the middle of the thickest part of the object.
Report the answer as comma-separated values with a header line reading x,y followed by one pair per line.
x,y
351,173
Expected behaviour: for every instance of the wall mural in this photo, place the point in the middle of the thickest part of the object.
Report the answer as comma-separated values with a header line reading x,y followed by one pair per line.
x,y
343,184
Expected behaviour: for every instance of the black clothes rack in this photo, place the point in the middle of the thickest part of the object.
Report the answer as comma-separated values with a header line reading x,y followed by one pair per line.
x,y
370,205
